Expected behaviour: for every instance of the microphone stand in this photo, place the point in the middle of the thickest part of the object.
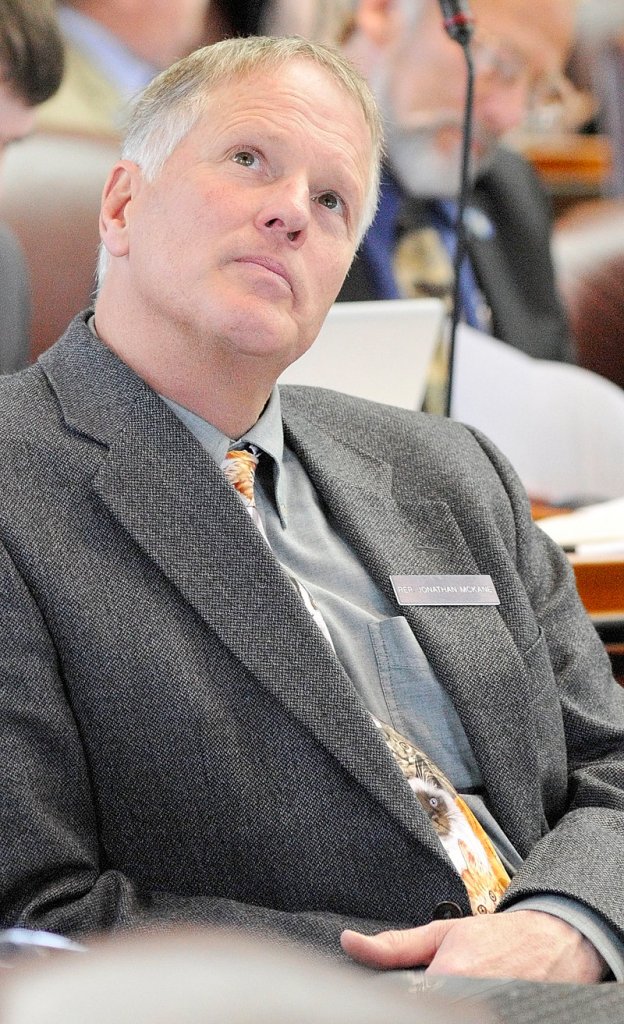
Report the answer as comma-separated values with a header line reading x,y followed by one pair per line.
x,y
460,251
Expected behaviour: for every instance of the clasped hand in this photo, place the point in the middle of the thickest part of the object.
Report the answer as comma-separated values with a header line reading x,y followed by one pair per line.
x,y
527,944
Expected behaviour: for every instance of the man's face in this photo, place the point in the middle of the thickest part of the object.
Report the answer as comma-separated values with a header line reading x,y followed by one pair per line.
x,y
16,117
421,85
241,243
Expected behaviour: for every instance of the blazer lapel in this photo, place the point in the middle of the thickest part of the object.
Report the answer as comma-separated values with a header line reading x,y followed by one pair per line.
x,y
468,647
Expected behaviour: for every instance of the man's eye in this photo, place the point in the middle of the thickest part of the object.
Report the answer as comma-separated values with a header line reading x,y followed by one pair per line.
x,y
245,158
331,201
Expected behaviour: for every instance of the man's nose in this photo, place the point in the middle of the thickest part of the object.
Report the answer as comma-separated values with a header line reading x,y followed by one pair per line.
x,y
285,210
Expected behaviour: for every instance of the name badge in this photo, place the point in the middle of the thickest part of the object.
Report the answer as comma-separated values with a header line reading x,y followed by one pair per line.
x,y
429,590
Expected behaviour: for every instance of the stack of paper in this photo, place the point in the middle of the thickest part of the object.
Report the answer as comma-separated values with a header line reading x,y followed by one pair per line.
x,y
561,426
595,529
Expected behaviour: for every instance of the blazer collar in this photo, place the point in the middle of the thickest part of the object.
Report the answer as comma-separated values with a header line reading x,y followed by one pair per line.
x,y
94,388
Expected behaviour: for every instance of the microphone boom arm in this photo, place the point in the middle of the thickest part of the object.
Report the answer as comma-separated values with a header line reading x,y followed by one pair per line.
x,y
459,25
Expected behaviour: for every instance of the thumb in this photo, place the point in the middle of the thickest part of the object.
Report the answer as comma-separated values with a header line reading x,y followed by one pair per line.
x,y
410,947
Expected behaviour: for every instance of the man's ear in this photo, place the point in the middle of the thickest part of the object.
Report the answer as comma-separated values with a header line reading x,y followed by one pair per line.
x,y
117,196
376,19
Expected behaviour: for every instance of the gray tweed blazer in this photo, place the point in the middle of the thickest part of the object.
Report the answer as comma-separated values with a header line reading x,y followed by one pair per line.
x,y
179,744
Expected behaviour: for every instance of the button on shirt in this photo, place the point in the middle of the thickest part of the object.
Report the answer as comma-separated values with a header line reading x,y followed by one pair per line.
x,y
374,645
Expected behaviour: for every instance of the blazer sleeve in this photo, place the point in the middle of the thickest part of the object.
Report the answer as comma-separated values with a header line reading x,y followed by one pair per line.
x,y
582,855
53,874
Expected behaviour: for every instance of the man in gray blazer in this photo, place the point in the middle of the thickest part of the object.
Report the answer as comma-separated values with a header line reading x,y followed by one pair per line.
x,y
220,704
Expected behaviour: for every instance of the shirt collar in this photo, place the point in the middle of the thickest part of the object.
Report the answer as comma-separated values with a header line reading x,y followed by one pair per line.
x,y
267,433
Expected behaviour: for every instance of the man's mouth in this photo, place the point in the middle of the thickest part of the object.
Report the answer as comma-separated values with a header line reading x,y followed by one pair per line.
x,y
269,264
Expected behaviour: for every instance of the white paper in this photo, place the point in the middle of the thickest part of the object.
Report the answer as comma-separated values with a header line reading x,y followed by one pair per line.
x,y
600,527
561,426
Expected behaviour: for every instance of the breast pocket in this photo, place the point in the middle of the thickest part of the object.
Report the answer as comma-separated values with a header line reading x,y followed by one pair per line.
x,y
418,706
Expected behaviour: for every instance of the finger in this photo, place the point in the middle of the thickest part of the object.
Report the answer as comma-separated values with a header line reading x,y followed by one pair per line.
x,y
410,947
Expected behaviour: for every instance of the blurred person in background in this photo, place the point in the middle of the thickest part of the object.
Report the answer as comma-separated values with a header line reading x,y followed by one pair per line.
x,y
588,242
601,34
113,48
31,67
418,75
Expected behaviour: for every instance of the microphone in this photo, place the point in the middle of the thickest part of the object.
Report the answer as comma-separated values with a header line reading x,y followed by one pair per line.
x,y
458,20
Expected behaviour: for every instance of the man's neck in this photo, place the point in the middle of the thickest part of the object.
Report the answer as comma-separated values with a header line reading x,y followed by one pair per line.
x,y
225,408
230,397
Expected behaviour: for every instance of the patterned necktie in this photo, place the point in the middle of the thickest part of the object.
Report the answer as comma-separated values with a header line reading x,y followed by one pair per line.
x,y
239,467
423,260
423,268
469,848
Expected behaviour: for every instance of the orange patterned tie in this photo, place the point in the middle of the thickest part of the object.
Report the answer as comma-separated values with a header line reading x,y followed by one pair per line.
x,y
239,467
466,843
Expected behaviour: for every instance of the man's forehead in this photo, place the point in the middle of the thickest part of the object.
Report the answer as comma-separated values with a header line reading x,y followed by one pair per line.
x,y
299,88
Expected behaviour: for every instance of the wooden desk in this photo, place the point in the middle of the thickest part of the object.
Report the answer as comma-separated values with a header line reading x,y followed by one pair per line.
x,y
571,166
600,583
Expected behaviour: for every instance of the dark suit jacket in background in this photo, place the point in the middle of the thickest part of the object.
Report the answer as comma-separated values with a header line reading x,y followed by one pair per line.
x,y
514,268
180,744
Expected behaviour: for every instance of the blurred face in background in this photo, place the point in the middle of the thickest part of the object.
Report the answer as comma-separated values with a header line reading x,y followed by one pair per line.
x,y
419,77
172,28
159,31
